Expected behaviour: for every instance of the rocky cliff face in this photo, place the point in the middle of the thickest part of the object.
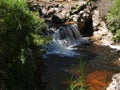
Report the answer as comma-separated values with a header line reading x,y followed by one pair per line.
x,y
87,15
101,35
65,12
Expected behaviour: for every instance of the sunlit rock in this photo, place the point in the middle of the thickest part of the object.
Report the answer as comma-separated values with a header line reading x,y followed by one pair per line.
x,y
101,32
115,84
117,62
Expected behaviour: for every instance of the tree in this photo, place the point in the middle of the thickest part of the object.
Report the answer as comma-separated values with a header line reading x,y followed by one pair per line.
x,y
20,44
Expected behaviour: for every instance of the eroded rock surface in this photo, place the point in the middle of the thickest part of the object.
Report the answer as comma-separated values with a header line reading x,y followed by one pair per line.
x,y
85,14
57,13
101,33
61,9
115,84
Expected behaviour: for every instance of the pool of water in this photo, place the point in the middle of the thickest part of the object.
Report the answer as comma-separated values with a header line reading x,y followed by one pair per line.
x,y
101,61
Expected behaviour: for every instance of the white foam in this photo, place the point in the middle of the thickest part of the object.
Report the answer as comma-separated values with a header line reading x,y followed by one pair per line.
x,y
117,47
71,37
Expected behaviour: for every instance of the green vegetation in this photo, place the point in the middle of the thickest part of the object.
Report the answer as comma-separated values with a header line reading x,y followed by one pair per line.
x,y
20,45
79,83
113,19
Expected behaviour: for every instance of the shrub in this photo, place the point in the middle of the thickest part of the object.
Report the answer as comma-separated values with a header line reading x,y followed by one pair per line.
x,y
113,20
20,44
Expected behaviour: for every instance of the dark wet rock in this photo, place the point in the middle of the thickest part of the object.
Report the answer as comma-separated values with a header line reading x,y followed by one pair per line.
x,y
56,19
48,31
85,24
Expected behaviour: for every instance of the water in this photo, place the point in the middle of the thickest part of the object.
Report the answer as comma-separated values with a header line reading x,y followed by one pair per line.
x,y
101,60
65,41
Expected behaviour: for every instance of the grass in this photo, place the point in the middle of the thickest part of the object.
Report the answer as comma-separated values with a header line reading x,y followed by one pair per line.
x,y
113,19
79,83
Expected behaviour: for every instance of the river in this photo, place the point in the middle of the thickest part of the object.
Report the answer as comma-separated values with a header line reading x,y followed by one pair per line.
x,y
100,62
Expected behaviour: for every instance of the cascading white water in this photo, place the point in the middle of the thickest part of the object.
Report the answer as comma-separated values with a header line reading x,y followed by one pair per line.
x,y
64,41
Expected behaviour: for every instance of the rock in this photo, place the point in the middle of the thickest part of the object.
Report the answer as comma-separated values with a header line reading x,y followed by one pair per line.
x,y
115,84
104,7
96,18
101,32
48,31
56,19
60,0
85,24
117,62
74,17
44,11
59,10
51,11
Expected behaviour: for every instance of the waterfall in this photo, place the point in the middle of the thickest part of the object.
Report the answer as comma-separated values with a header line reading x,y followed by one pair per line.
x,y
65,40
